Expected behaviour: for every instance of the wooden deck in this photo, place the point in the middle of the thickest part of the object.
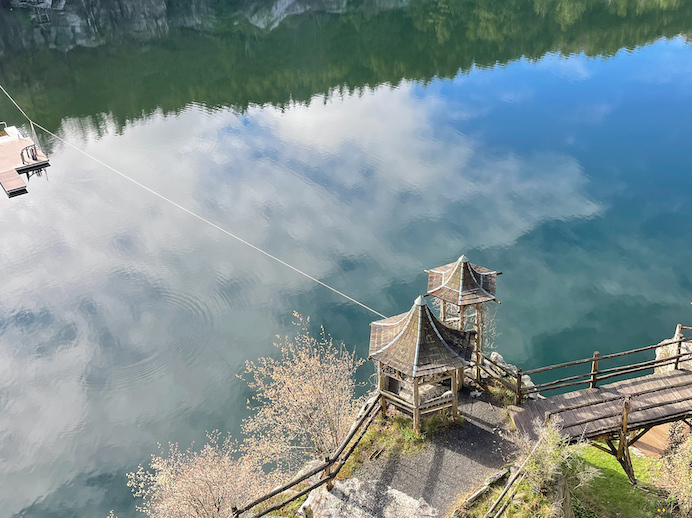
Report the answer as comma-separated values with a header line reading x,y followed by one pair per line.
x,y
597,413
11,164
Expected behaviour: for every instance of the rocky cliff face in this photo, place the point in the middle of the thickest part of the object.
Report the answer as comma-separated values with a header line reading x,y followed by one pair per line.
x,y
668,348
89,23
65,24
268,16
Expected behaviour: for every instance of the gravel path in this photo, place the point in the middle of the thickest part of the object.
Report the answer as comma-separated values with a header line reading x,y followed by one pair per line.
x,y
428,483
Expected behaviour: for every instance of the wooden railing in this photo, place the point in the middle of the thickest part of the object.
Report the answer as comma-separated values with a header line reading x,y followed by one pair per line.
x,y
504,372
331,465
512,379
503,501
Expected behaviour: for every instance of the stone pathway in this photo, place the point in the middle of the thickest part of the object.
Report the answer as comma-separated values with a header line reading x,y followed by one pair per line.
x,y
428,483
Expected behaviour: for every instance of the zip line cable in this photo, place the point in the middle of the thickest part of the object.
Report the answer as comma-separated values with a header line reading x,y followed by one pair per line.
x,y
191,213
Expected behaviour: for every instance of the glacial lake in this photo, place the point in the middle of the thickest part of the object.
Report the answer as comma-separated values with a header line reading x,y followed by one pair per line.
x,y
360,142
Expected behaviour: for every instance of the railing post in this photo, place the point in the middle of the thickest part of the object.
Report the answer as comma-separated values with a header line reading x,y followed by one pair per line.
x,y
327,473
594,369
678,347
517,399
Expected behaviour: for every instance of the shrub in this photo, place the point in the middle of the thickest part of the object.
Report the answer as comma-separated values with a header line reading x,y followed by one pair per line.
x,y
676,475
304,401
551,457
204,484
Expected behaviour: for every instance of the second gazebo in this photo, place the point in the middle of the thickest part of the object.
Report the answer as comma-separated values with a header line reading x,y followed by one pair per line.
x,y
416,356
462,289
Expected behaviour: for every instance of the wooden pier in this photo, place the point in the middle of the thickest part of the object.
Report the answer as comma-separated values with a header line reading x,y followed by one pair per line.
x,y
18,155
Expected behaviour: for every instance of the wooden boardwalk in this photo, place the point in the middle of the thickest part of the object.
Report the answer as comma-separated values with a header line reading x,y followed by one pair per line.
x,y
622,411
595,413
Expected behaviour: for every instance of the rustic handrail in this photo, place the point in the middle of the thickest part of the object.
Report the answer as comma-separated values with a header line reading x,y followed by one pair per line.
x,y
329,474
595,374
368,412
506,383
598,375
604,357
507,371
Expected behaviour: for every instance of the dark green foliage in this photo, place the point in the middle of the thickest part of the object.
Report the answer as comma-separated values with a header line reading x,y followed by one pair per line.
x,y
238,65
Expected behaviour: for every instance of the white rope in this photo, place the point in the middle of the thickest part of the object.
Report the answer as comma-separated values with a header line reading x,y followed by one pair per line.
x,y
234,236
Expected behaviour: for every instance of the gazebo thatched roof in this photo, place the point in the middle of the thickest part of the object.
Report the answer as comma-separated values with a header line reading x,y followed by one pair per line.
x,y
462,283
417,344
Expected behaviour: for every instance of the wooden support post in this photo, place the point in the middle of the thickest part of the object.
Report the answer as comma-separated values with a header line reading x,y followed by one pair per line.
x,y
629,469
623,430
443,311
594,369
678,347
460,379
519,395
380,388
416,404
479,358
480,339
455,374
623,452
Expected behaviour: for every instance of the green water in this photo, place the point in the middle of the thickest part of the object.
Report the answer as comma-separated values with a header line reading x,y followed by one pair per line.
x,y
360,142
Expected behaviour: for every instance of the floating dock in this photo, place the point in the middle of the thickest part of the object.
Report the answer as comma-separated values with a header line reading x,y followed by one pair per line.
x,y
18,154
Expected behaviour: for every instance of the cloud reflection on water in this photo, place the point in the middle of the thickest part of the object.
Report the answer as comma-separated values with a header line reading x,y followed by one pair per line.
x,y
104,332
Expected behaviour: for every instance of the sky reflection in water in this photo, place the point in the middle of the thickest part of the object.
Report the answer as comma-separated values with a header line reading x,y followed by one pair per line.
x,y
123,320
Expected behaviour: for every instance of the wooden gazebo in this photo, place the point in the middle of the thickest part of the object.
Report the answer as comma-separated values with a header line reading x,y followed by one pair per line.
x,y
462,288
415,355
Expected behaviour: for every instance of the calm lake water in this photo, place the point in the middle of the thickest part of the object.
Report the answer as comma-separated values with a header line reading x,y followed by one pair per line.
x,y
361,142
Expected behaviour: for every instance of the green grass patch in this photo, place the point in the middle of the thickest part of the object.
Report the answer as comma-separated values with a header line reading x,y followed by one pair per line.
x,y
394,436
525,504
500,394
611,495
608,496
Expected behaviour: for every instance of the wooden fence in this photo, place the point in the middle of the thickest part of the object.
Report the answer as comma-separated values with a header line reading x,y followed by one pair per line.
x,y
331,465
512,379
503,500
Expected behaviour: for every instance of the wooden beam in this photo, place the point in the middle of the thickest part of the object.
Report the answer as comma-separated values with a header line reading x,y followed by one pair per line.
x,y
613,450
454,393
623,430
380,388
600,447
416,404
639,434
